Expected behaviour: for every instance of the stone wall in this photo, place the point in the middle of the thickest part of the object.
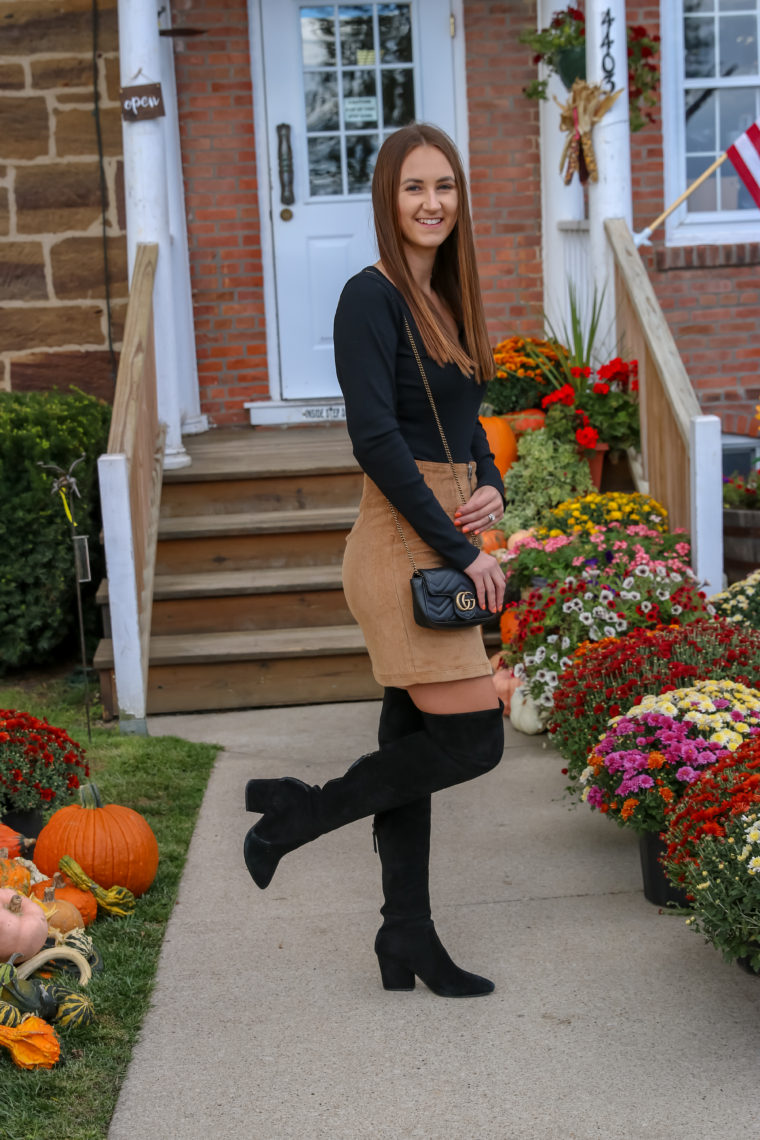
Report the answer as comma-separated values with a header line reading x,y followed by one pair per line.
x,y
54,194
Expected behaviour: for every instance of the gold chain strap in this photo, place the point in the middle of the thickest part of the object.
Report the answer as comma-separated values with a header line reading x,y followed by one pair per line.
x,y
476,541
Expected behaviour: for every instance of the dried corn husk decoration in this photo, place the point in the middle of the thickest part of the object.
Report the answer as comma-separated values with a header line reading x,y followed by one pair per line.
x,y
33,1044
586,105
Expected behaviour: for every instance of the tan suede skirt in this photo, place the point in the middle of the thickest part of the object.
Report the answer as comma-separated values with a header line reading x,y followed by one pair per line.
x,y
376,573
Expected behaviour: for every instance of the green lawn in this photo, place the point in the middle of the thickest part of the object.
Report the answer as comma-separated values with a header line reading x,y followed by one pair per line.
x,y
164,779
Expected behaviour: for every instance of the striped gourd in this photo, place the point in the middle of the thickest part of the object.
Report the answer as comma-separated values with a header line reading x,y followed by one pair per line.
x,y
9,1015
74,1010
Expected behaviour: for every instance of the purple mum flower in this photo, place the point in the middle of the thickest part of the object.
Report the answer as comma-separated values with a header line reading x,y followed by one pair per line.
x,y
686,774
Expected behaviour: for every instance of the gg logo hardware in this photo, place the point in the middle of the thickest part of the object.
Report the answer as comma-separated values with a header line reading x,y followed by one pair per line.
x,y
465,601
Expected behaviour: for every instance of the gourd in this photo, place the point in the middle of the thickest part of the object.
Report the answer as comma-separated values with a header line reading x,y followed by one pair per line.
x,y
529,419
14,842
33,1044
73,1009
9,1014
505,683
29,995
60,914
13,874
83,900
23,926
501,441
116,900
113,844
491,540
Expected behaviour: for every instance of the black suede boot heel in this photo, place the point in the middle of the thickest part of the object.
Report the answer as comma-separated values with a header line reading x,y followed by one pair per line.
x,y
403,952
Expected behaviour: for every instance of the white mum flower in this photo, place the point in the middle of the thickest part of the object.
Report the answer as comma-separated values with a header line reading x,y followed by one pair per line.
x,y
628,582
565,643
754,865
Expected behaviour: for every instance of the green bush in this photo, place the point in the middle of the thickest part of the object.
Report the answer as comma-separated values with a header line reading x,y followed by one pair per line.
x,y
546,473
37,583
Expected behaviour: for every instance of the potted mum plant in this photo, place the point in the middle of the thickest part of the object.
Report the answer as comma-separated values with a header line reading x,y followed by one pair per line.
x,y
562,48
741,524
713,853
740,603
651,754
41,767
609,676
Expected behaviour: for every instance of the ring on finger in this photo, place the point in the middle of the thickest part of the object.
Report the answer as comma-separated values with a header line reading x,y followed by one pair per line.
x,y
492,517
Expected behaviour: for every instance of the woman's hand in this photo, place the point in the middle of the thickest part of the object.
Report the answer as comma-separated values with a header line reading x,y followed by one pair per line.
x,y
489,580
481,511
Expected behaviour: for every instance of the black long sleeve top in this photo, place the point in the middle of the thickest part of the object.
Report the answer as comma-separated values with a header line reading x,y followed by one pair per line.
x,y
388,414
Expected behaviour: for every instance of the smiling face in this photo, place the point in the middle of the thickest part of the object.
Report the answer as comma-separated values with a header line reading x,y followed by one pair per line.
x,y
428,200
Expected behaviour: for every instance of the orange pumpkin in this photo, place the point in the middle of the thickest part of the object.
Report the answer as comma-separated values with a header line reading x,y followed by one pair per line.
x,y
508,625
501,441
84,901
113,844
491,540
529,419
16,844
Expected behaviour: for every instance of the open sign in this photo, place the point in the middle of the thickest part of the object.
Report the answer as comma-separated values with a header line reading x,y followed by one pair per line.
x,y
142,102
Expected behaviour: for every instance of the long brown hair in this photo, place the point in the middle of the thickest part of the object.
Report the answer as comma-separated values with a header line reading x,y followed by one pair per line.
x,y
455,271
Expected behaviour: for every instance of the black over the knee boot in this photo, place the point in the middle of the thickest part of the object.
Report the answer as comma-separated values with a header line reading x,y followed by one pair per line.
x,y
407,942
447,750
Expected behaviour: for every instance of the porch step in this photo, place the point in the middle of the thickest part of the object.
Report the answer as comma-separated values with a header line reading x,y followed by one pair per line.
x,y
256,522
241,669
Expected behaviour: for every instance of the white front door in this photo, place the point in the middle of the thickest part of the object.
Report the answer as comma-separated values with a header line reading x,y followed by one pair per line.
x,y
337,79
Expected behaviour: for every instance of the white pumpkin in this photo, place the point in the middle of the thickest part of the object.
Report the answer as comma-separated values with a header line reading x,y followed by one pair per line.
x,y
524,713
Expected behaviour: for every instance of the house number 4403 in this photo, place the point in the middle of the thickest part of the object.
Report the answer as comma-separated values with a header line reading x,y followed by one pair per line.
x,y
608,59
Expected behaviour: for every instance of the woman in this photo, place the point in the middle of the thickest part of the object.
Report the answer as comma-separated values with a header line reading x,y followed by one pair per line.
x,y
441,722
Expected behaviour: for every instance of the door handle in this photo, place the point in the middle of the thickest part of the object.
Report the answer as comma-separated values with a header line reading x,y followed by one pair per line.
x,y
285,164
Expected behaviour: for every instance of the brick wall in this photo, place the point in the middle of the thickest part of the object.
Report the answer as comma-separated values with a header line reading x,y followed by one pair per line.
x,y
53,319
505,173
710,294
216,123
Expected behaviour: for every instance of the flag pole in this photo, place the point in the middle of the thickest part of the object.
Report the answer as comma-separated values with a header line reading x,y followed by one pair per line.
x,y
643,237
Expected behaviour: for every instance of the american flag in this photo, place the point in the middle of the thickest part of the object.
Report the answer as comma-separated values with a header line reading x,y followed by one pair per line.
x,y
745,158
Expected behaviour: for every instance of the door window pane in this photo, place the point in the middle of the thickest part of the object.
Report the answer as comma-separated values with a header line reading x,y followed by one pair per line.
x,y
361,152
395,24
359,99
398,97
700,121
324,165
321,97
691,6
318,36
358,74
705,197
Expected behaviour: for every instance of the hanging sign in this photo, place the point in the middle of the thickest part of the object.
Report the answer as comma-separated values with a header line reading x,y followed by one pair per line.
x,y
142,102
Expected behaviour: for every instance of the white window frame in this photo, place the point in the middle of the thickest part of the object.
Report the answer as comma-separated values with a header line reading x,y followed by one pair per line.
x,y
681,228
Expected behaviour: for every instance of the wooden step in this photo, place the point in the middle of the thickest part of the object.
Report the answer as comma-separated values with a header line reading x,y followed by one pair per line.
x,y
240,453
250,551
250,670
257,522
277,494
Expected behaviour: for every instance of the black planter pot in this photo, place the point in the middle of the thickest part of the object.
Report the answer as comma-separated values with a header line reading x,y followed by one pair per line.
x,y
743,964
657,886
28,823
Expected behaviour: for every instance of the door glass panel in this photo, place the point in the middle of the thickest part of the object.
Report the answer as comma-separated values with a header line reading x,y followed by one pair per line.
x,y
321,97
318,36
359,99
361,152
398,97
395,26
358,73
324,165
357,37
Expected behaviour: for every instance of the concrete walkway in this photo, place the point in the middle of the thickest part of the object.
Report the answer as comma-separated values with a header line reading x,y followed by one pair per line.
x,y
610,1021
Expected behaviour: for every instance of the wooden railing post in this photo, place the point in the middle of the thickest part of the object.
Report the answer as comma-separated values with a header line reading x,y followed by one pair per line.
x,y
707,502
130,490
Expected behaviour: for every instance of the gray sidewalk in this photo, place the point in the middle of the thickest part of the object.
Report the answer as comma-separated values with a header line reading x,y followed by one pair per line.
x,y
610,1021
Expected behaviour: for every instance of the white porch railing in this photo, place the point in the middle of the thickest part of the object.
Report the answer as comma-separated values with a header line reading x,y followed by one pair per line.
x,y
130,490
